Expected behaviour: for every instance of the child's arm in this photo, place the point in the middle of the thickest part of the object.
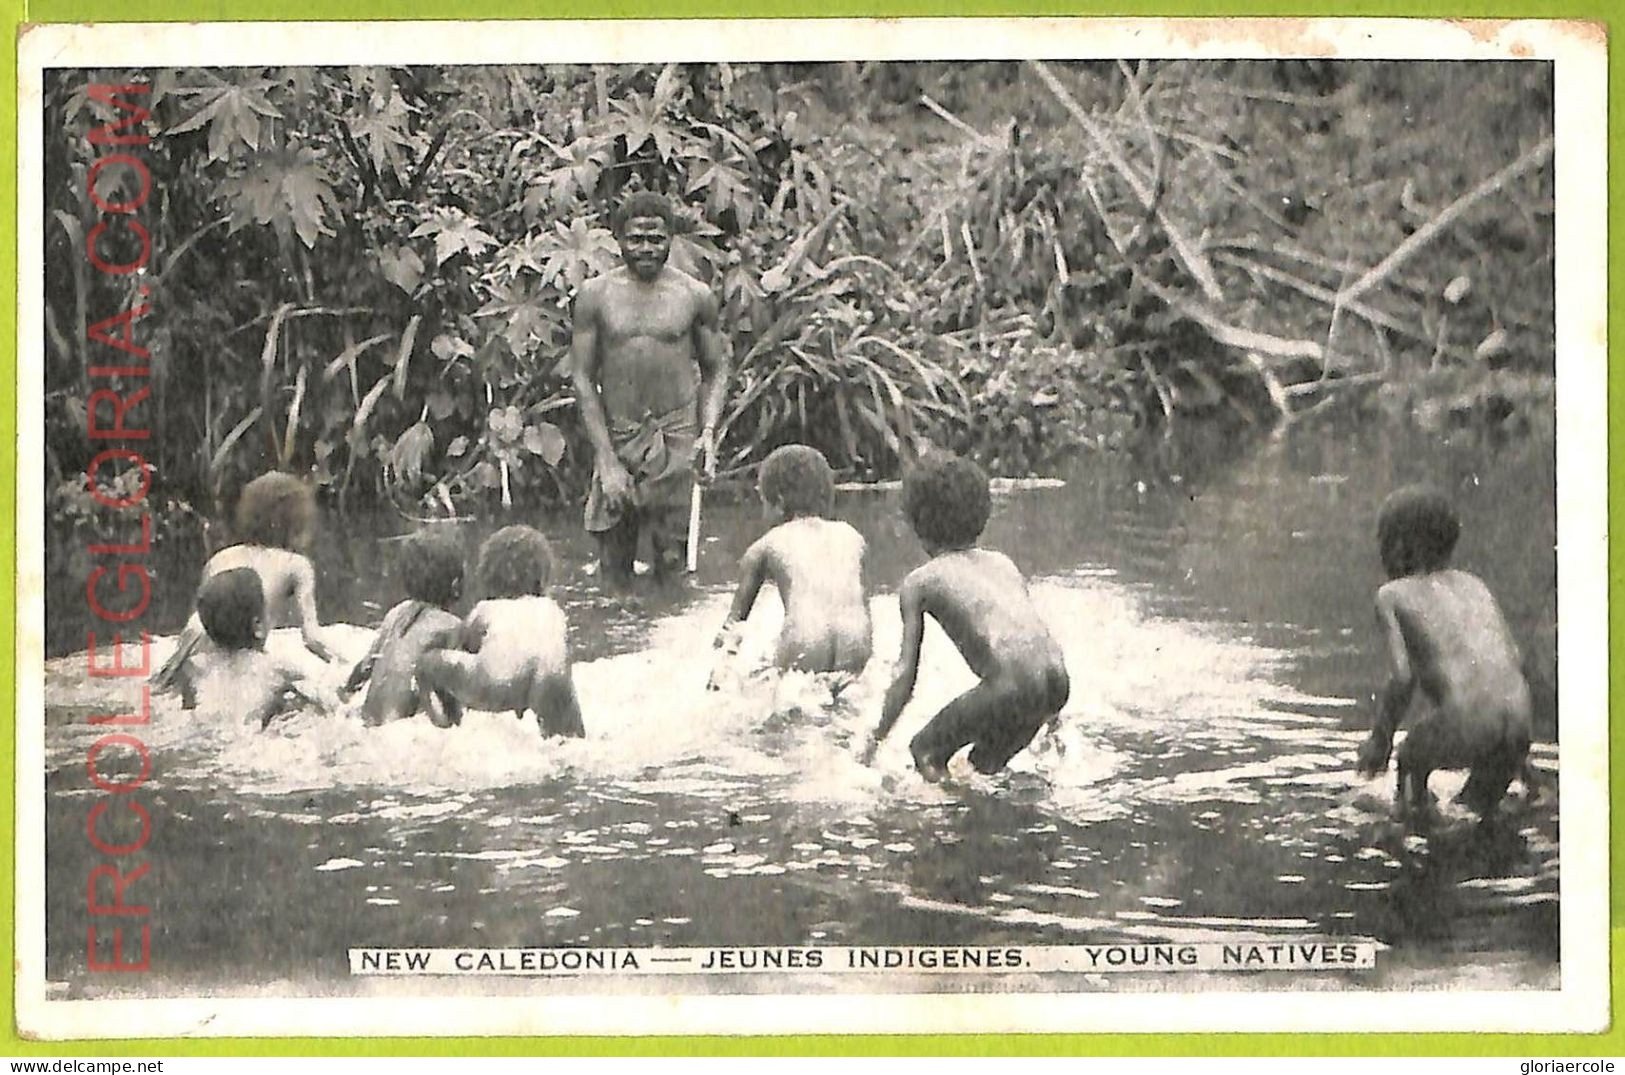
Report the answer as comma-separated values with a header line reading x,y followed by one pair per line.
x,y
1396,692
908,665
173,673
752,574
314,691
304,584
363,668
472,636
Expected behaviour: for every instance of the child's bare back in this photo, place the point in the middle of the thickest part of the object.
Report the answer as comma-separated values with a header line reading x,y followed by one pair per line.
x,y
1445,636
410,630
815,562
429,564
515,650
252,686
288,578
981,602
817,565
1463,657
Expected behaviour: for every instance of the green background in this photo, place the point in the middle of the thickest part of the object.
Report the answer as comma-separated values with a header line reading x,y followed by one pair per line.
x,y
1611,1043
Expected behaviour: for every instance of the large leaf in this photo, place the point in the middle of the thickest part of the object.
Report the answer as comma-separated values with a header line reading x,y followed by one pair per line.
x,y
545,440
641,120
575,173
286,188
411,450
454,233
382,126
723,175
577,251
233,112
401,266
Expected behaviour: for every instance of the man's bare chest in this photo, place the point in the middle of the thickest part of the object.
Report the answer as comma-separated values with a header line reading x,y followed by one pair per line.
x,y
629,316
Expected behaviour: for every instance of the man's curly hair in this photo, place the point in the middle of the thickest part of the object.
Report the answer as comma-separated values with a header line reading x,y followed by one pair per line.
x,y
797,479
276,510
228,604
643,203
946,500
1416,531
430,564
516,561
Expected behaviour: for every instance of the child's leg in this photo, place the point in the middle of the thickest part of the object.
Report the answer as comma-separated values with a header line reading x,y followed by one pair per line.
x,y
961,721
1025,714
558,711
1418,757
1488,780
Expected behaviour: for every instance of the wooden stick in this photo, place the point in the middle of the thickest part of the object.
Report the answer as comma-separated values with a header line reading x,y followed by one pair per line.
x,y
694,529
1427,232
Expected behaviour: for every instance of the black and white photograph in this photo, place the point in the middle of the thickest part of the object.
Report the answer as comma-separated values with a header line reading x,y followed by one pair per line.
x,y
729,527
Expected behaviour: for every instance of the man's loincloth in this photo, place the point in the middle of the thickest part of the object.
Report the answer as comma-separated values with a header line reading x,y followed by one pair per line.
x,y
657,453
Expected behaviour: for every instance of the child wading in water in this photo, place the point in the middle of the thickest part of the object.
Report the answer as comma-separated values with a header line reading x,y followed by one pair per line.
x,y
431,567
514,653
234,675
276,521
1444,632
981,602
816,563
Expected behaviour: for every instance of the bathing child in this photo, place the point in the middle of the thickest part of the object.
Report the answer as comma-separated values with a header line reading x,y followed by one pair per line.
x,y
1444,633
513,653
980,600
816,563
430,563
276,519
234,674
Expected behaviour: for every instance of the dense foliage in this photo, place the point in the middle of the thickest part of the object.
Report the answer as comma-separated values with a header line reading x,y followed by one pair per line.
x,y
366,273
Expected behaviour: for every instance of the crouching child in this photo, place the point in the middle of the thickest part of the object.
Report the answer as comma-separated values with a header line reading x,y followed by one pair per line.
x,y
234,674
513,652
815,562
276,521
1445,636
430,564
980,600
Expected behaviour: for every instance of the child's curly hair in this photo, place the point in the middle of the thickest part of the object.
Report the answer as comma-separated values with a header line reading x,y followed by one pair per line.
x,y
946,500
1416,531
276,510
516,561
430,563
797,479
228,604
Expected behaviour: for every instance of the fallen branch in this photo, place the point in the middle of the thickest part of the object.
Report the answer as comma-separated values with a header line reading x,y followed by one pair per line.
x,y
1244,339
1323,294
1188,253
1447,216
955,122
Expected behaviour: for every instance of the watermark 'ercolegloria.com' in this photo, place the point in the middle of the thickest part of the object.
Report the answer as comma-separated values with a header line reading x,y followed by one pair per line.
x,y
119,586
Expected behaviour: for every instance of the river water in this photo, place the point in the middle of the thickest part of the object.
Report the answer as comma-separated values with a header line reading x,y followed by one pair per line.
x,y
1215,612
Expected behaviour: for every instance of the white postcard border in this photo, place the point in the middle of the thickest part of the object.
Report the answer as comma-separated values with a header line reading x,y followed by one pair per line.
x,y
1579,52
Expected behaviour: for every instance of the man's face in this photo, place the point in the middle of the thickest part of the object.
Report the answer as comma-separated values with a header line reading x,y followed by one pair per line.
x,y
645,245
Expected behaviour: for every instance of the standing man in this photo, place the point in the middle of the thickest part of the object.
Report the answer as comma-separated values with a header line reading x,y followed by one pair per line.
x,y
639,333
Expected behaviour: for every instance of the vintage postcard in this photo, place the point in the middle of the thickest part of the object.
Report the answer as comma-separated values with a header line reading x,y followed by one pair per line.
x,y
824,526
